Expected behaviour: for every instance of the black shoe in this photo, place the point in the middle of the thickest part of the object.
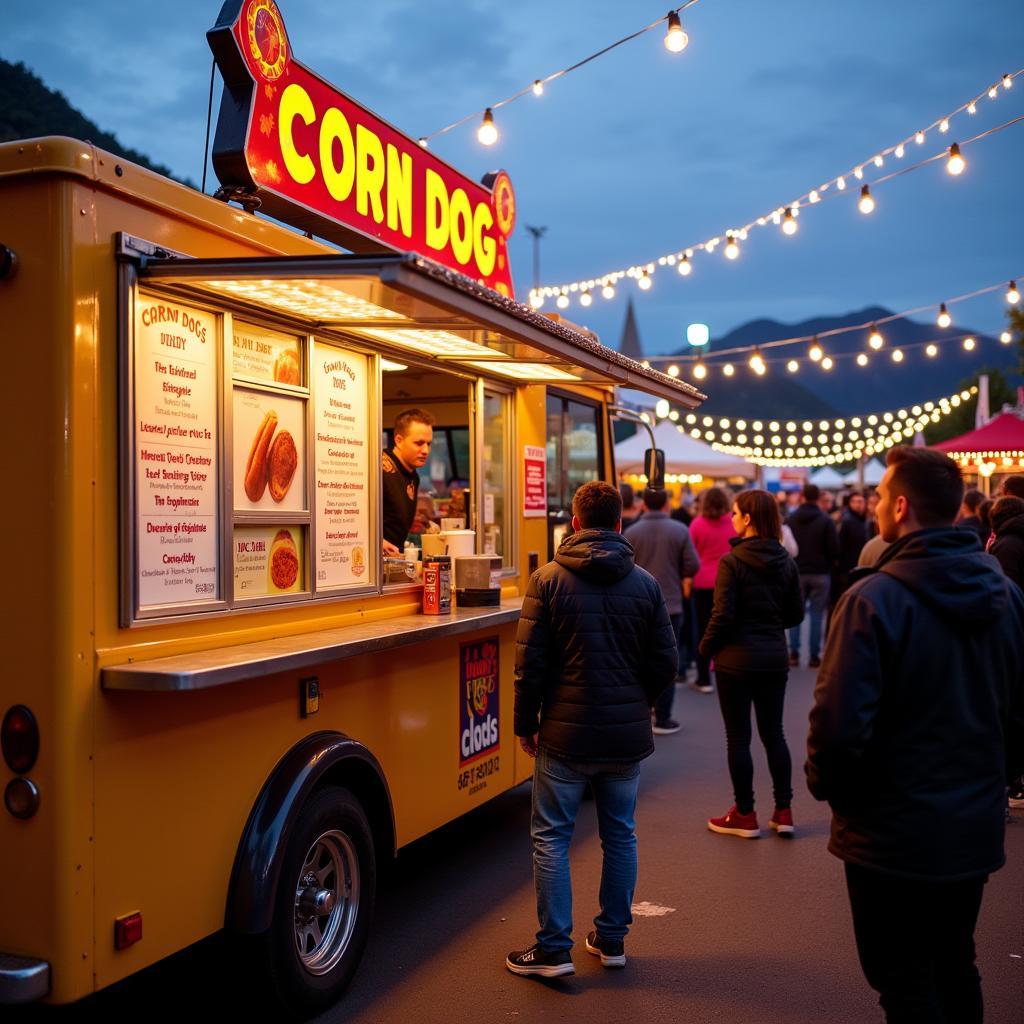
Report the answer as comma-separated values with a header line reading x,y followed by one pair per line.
x,y
814,663
610,951
545,965
666,727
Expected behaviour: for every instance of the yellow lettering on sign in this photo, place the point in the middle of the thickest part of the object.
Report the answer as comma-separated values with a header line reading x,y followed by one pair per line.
x,y
338,180
399,190
461,226
484,248
295,102
437,212
369,173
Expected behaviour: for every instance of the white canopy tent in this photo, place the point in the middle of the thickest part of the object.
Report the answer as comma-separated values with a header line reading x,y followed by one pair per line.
x,y
827,477
683,454
873,473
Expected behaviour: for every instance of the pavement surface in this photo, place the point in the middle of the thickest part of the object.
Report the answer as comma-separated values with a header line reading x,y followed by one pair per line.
x,y
725,930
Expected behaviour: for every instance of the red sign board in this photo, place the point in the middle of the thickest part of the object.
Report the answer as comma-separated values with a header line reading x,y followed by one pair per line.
x,y
294,146
535,481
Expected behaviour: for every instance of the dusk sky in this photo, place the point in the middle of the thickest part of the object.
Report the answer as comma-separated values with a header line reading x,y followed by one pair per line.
x,y
642,152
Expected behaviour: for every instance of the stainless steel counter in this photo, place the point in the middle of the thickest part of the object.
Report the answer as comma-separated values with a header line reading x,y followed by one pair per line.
x,y
301,652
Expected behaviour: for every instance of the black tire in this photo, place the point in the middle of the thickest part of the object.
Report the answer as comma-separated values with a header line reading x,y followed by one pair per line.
x,y
302,982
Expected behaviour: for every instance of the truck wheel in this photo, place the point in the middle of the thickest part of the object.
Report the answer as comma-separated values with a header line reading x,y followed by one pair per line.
x,y
324,902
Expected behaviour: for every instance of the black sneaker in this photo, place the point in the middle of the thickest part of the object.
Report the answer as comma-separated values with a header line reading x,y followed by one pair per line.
x,y
666,727
535,961
610,951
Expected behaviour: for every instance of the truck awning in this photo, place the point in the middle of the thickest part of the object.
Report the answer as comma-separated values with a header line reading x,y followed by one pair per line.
x,y
406,305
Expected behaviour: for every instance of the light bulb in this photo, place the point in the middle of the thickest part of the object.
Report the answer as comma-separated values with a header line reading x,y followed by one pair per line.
x,y
858,173
487,133
684,266
645,281
814,197
673,370
956,163
675,38
919,138
422,140
1012,295
944,125
586,299
536,300
875,339
792,366
879,160
562,301
899,151
816,352
826,363
862,359
943,319
972,107
1007,81
700,371
757,362
608,291
1006,337
789,224
897,355
867,201
931,351
992,93
840,183
661,408
728,369
538,88
969,344
732,249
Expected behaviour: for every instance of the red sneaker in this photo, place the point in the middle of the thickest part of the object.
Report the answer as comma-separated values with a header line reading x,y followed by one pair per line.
x,y
736,824
782,821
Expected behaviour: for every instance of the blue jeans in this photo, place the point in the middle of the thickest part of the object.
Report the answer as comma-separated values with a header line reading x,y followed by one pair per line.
x,y
557,792
814,589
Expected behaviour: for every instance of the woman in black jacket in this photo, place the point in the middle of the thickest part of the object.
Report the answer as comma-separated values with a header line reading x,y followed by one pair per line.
x,y
757,597
1007,519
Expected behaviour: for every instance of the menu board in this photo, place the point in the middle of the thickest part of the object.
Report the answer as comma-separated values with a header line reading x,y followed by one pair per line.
x,y
269,464
268,560
175,404
264,355
341,419
535,491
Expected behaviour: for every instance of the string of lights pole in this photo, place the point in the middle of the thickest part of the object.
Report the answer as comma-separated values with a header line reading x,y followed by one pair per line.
x,y
699,366
676,40
786,214
811,441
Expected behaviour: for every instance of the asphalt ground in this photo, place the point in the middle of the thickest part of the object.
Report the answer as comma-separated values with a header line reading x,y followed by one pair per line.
x,y
736,930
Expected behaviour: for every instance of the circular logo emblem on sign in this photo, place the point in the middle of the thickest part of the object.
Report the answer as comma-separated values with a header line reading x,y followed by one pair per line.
x,y
268,44
504,204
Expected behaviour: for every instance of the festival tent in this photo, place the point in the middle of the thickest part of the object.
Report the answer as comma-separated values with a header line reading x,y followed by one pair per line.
x,y
1001,437
873,473
826,477
683,454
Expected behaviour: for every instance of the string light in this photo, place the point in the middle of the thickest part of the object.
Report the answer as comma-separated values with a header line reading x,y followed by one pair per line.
x,y
728,369
1006,337
487,133
829,189
685,267
607,291
1007,81
943,319
732,249
675,38
700,371
673,370
789,224
1012,295
956,163
422,140
826,363
792,366
897,355
862,359
944,125
969,344
875,339
815,352
562,301
757,363
538,88
586,299
645,281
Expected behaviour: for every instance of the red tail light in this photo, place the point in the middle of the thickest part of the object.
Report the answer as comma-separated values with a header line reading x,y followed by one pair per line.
x,y
19,738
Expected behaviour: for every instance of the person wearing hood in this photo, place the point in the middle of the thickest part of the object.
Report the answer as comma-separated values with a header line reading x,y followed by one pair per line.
x,y
594,651
1007,520
918,716
757,598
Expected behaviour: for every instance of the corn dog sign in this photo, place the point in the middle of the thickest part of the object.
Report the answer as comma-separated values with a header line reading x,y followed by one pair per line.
x,y
292,145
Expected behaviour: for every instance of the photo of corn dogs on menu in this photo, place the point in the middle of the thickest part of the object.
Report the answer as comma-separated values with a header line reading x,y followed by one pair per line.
x,y
268,447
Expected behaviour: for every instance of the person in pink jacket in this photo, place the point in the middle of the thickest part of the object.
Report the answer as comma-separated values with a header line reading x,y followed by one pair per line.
x,y
710,532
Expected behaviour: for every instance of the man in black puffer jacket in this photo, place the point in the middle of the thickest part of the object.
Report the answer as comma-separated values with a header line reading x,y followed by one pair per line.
x,y
918,715
595,649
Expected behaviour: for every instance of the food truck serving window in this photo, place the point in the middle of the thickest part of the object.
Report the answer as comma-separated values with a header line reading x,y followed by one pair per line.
x,y
252,452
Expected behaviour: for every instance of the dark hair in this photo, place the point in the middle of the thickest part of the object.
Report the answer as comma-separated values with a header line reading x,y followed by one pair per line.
x,y
929,480
984,513
714,503
655,498
626,494
1004,509
811,492
763,511
972,499
1013,486
597,505
404,420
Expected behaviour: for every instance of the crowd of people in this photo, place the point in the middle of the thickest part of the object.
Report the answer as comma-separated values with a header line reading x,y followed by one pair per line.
x,y
916,733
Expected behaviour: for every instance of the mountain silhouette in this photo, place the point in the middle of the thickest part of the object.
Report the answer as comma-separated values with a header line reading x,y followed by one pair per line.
x,y
847,388
29,109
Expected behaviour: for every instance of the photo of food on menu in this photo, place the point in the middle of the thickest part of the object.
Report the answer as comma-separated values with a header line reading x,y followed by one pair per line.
x,y
269,452
268,560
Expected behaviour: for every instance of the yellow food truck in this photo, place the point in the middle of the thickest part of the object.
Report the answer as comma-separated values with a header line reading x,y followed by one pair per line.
x,y
222,706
